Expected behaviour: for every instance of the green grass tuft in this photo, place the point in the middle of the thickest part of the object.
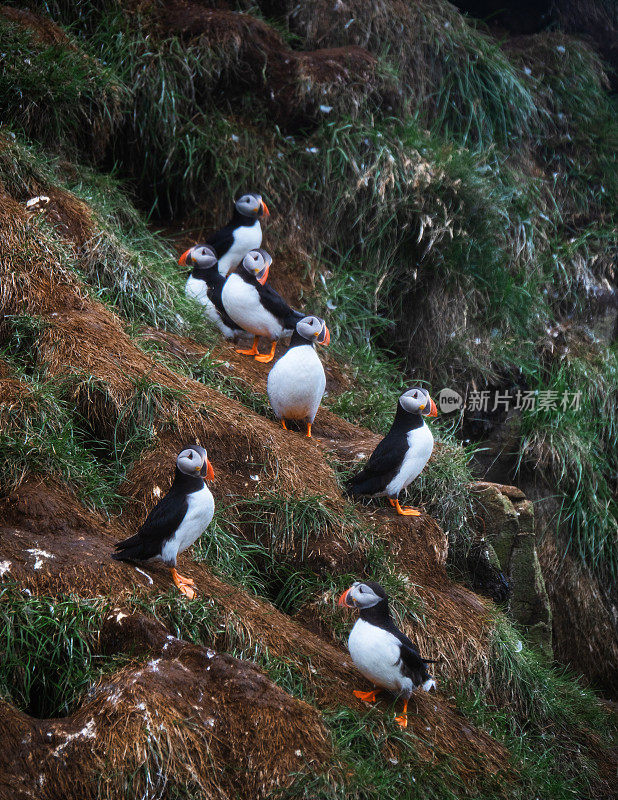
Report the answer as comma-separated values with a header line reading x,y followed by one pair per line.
x,y
48,650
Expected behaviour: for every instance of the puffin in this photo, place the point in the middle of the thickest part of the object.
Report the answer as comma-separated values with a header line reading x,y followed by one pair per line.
x,y
205,284
178,519
256,307
242,233
380,651
296,383
402,454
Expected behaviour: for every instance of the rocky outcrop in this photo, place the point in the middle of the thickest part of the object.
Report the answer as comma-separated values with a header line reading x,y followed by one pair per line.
x,y
506,526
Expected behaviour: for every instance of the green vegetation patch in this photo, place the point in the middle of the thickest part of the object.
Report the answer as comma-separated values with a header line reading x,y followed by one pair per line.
x,y
48,650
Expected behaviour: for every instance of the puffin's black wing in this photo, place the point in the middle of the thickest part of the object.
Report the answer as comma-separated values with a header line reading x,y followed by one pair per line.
x,y
160,525
222,240
413,665
273,302
383,465
214,295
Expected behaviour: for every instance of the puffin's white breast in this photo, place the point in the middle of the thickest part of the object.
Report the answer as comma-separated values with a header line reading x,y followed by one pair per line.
x,y
420,447
197,290
296,384
200,511
242,303
246,238
376,654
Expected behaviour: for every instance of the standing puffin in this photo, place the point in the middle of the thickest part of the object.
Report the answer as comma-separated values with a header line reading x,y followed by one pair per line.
x,y
178,520
380,651
297,381
205,284
402,454
256,307
242,233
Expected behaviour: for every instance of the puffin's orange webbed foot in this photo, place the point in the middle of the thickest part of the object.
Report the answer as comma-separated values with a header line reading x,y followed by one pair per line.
x,y
308,430
402,719
404,512
367,697
284,426
254,349
267,356
184,585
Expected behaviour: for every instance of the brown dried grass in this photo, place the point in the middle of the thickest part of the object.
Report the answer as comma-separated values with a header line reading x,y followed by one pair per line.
x,y
46,31
189,717
293,84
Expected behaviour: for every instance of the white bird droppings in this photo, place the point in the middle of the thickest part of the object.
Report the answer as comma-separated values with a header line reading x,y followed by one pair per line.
x,y
39,555
5,566
87,732
145,574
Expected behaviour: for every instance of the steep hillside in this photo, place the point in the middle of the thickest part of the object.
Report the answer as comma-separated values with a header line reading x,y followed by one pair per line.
x,y
447,201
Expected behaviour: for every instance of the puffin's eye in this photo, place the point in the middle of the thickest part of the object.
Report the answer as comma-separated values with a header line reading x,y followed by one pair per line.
x,y
360,589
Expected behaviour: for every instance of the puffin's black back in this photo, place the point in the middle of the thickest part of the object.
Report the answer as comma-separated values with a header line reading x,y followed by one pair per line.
x,y
223,239
162,522
273,302
386,459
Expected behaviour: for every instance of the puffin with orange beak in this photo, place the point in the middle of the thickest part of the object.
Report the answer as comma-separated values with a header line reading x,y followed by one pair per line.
x,y
178,519
242,233
205,284
380,651
402,455
296,383
256,307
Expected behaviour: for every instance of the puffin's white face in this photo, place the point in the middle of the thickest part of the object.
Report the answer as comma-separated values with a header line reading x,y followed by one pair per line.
x,y
313,329
362,595
193,460
418,400
257,263
201,255
252,205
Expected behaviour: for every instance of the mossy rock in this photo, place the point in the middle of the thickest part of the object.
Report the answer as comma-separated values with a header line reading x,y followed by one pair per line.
x,y
508,531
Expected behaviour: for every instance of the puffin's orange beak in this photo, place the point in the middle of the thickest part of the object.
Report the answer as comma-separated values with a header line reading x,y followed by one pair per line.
x,y
326,339
342,599
434,410
210,473
262,276
265,211
183,258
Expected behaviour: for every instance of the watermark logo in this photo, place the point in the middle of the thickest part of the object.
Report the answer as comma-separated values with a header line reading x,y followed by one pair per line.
x,y
539,400
449,400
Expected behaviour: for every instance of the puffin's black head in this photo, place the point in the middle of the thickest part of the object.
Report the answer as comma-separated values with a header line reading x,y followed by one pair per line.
x,y
251,205
200,255
257,263
417,400
193,460
313,329
363,594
